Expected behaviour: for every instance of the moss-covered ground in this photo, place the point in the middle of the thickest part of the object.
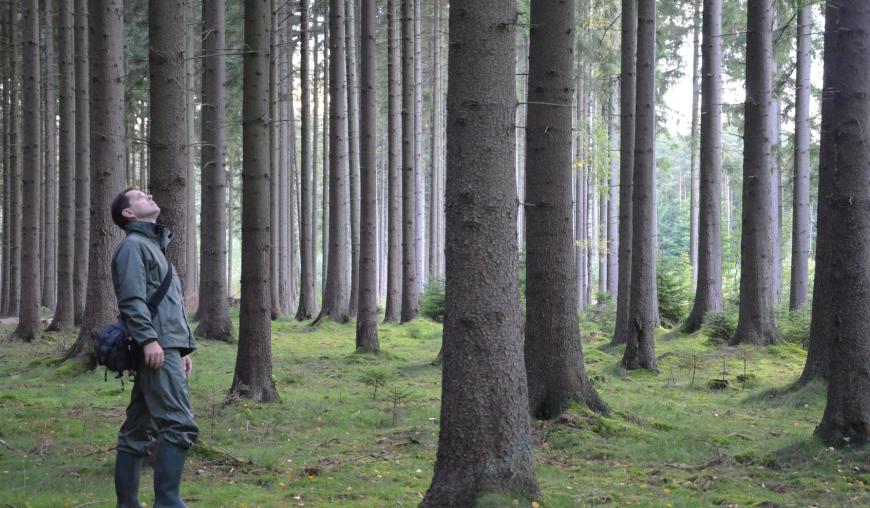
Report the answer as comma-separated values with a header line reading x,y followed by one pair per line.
x,y
669,441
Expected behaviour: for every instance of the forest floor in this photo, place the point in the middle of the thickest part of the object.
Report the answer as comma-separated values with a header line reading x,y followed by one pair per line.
x,y
669,441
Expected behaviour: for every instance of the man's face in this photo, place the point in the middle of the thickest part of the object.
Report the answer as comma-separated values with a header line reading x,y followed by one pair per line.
x,y
142,207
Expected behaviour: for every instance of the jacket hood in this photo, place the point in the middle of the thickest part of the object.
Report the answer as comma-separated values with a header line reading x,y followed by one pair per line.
x,y
153,231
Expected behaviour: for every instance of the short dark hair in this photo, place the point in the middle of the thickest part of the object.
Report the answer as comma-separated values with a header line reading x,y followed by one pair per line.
x,y
121,202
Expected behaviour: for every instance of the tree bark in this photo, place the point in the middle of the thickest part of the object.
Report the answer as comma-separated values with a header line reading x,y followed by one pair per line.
x,y
366,320
436,189
14,294
801,235
49,227
845,166
394,200
275,169
694,187
627,104
553,353
191,288
483,445
353,122
409,166
214,314
756,324
613,199
253,372
83,161
580,218
306,224
643,309
708,267
419,179
6,78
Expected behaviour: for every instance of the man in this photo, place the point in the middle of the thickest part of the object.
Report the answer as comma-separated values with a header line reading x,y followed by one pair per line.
x,y
159,402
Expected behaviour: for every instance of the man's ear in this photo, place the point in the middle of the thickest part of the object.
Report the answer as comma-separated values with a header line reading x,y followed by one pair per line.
x,y
127,214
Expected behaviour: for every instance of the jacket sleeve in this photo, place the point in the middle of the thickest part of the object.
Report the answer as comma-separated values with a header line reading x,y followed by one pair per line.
x,y
132,294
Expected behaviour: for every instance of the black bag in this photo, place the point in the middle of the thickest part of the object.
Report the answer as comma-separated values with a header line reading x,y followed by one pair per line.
x,y
113,346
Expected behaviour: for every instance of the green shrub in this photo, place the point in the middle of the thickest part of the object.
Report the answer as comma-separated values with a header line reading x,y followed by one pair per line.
x,y
721,325
432,301
674,287
601,314
794,327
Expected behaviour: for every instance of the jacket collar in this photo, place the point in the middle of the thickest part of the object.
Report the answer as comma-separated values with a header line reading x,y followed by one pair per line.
x,y
153,231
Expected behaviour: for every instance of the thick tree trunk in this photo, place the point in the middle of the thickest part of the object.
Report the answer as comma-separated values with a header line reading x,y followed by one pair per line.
x,y
167,30
694,186
63,314
482,446
643,309
14,293
6,76
83,161
708,293
253,372
49,227
801,235
409,166
366,320
106,71
845,165
627,103
353,123
307,294
394,200
756,323
214,316
553,354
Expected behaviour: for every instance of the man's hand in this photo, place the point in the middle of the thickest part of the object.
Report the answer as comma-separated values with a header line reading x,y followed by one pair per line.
x,y
188,365
153,355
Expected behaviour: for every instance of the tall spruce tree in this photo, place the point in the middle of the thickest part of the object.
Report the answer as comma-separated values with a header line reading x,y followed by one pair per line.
x,y
801,234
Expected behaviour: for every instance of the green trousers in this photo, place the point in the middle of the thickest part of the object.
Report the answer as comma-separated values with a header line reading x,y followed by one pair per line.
x,y
159,405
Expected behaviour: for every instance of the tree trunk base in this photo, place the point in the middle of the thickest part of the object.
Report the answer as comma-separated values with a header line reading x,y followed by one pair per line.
x,y
261,392
221,330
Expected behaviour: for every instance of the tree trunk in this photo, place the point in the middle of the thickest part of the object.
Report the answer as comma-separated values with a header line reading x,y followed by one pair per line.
x,y
324,165
409,166
214,316
708,293
191,288
366,320
253,372
353,123
394,200
553,354
167,30
613,199
49,227
845,165
436,190
482,447
580,218
694,187
306,224
602,236
29,305
627,104
6,77
14,294
274,170
83,161
756,323
643,309
801,236
63,314
419,179
317,224
106,70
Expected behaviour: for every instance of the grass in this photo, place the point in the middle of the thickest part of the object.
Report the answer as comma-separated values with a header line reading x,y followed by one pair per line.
x,y
668,442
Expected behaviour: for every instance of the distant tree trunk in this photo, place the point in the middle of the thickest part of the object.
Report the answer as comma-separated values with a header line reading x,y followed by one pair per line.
x,y
419,179
335,295
366,320
845,165
167,30
708,293
50,168
580,218
482,447
191,288
801,237
694,189
602,236
409,166
756,323
289,185
436,190
316,211
214,315
6,77
307,295
613,199
394,200
553,354
253,372
14,292
230,215
324,249
106,71
353,123
627,104
274,170
522,71
643,309
63,314
29,306
83,161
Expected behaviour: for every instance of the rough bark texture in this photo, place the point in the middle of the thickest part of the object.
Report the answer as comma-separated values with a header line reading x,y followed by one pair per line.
x,y
694,188
627,101
643,309
14,289
253,372
484,443
106,71
83,161
708,267
845,164
6,77
409,167
29,304
63,314
213,313
756,323
49,227
307,294
801,234
394,199
553,354
168,181
367,301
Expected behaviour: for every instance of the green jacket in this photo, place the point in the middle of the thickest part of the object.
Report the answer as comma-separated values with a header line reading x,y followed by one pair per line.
x,y
138,268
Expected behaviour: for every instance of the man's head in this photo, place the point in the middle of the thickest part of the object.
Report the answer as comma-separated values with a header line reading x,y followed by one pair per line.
x,y
133,205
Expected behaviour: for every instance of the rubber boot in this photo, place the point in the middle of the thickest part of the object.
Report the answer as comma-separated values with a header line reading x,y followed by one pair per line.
x,y
167,475
127,468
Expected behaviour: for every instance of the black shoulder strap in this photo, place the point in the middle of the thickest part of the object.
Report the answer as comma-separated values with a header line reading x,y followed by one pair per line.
x,y
158,295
